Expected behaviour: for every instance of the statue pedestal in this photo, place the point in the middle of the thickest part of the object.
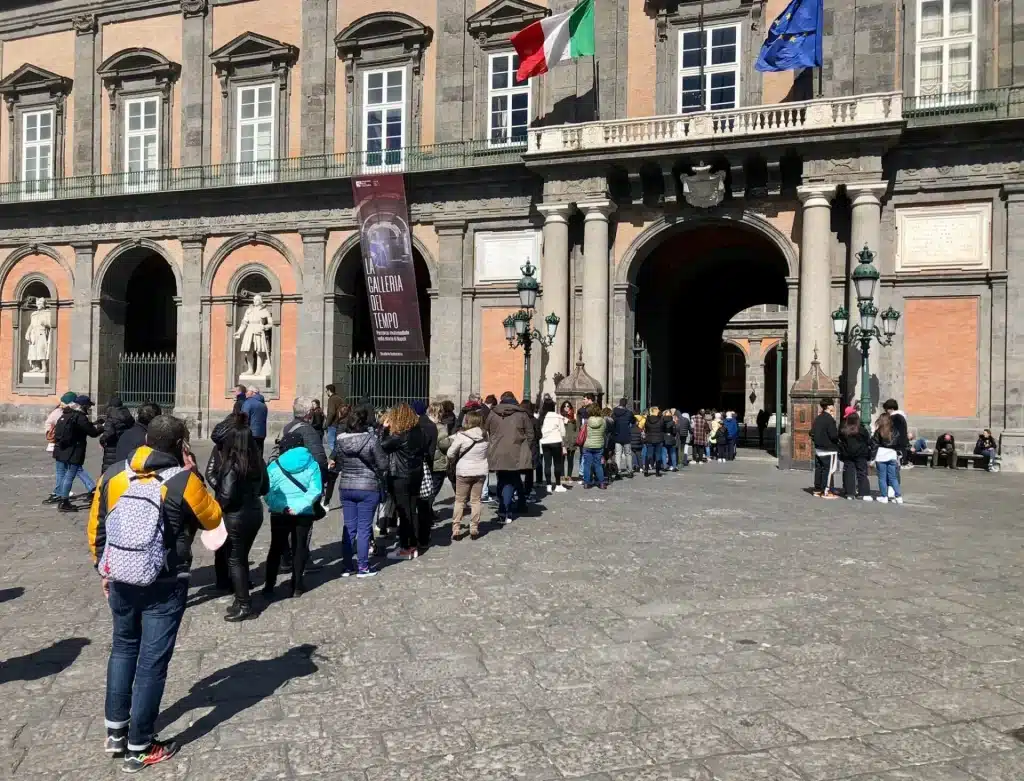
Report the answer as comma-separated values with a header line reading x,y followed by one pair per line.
x,y
33,378
254,379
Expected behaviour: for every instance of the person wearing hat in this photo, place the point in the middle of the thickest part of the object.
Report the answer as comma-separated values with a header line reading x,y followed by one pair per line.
x,y
70,437
50,426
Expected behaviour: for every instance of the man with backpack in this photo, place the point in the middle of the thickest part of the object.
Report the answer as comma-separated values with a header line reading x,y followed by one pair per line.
x,y
70,437
143,520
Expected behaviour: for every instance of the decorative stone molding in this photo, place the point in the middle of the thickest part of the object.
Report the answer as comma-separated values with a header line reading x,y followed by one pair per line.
x,y
190,8
492,25
31,88
84,24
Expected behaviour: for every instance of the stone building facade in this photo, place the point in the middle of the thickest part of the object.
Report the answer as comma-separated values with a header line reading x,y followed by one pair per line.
x,y
162,161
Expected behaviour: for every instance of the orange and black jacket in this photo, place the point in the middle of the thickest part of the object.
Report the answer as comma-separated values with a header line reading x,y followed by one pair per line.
x,y
188,506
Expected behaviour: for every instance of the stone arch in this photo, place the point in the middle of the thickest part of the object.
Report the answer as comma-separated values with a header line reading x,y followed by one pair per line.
x,y
34,277
100,279
250,239
737,345
353,241
636,253
28,250
249,269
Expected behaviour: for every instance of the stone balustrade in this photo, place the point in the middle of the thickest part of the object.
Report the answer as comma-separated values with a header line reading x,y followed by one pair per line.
x,y
811,115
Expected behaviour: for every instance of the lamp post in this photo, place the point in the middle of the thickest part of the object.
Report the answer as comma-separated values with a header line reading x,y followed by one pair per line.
x,y
519,329
865,281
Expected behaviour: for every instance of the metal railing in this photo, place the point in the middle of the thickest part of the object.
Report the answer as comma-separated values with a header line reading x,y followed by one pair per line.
x,y
448,156
959,107
143,377
386,384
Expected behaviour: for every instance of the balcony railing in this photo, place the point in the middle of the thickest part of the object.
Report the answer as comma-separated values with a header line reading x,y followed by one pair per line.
x,y
447,156
960,107
758,121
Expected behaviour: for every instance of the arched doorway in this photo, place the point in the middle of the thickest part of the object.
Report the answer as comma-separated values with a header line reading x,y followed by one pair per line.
x,y
688,286
356,371
138,329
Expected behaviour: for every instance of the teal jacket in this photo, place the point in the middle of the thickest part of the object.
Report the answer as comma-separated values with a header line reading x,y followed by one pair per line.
x,y
295,482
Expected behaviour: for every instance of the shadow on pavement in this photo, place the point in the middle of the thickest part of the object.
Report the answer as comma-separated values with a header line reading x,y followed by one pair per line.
x,y
7,594
43,663
233,689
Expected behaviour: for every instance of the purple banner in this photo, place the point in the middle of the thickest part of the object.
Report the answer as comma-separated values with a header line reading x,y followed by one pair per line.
x,y
386,243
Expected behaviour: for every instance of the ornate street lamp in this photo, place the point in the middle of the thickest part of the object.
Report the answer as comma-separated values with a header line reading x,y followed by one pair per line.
x,y
865,281
519,331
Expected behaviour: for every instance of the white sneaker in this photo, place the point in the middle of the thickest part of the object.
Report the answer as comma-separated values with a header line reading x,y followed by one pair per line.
x,y
882,499
898,500
891,493
868,498
560,489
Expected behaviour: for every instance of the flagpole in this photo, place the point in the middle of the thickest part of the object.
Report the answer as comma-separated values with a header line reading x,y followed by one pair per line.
x,y
597,90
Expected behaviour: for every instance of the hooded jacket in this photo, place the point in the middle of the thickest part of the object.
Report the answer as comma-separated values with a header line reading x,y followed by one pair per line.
x,y
636,437
857,447
671,435
81,428
119,420
825,434
732,429
510,432
622,419
683,428
469,448
360,461
479,406
596,429
187,507
572,428
552,429
311,440
405,452
256,408
297,463
655,430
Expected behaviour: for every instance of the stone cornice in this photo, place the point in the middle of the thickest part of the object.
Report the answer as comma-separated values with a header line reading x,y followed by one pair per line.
x,y
56,15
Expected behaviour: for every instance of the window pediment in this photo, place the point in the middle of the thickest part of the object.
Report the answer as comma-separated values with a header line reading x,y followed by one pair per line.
x,y
31,79
383,30
138,64
253,49
504,17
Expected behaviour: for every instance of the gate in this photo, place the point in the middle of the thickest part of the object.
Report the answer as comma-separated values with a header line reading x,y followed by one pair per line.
x,y
143,377
386,384
641,374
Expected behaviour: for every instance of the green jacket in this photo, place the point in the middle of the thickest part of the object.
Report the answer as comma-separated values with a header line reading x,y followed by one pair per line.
x,y
595,433
572,428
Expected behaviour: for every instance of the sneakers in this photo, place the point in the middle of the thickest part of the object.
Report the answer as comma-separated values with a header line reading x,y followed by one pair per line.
x,y
366,573
403,554
65,506
891,492
883,499
116,743
51,499
898,500
158,751
561,489
868,498
533,497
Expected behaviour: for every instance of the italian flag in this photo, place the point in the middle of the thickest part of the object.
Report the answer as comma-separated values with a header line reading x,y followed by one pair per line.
x,y
555,39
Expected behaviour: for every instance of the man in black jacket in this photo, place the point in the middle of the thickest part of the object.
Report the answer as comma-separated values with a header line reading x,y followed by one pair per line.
x,y
622,421
135,437
118,421
71,436
825,439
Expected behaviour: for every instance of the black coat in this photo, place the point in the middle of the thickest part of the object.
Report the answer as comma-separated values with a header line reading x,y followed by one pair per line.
x,y
857,447
131,440
238,495
670,432
683,430
825,433
636,437
405,452
655,430
119,420
622,419
430,435
79,429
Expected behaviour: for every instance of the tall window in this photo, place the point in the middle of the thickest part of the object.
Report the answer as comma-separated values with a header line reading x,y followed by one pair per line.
x,y
509,101
142,141
946,47
709,71
37,153
384,117
256,132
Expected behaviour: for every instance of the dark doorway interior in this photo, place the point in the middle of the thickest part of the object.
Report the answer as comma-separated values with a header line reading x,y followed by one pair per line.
x,y
151,316
687,291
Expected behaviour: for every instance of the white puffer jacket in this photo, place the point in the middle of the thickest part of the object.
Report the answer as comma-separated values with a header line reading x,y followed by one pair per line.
x,y
470,448
552,429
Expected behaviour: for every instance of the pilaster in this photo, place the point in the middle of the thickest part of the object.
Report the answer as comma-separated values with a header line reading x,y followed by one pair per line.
x,y
83,325
447,314
595,288
313,115
555,273
194,84
84,96
310,342
192,352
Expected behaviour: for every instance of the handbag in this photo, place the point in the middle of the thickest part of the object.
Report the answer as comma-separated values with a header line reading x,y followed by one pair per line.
x,y
427,486
581,437
453,462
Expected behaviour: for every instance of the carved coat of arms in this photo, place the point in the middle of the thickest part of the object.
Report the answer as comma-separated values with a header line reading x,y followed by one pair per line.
x,y
704,188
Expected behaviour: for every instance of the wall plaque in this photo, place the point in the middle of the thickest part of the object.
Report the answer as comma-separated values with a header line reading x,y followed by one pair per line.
x,y
948,236
499,255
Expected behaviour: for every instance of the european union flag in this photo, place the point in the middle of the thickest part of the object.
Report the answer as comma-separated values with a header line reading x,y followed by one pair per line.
x,y
794,39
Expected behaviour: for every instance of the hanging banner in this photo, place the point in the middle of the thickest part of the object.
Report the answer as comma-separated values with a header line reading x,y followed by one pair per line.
x,y
386,242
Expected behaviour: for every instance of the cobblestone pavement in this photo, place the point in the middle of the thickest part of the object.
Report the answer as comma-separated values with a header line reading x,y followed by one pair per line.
x,y
719,624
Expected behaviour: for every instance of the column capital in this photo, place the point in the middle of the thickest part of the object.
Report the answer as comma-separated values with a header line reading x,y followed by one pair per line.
x,y
83,246
816,194
861,193
313,235
596,210
193,242
450,228
84,24
555,212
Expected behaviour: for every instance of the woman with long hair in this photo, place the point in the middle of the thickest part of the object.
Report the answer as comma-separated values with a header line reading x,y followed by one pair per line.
x,y
239,477
856,450
403,441
468,450
887,439
552,437
572,428
654,435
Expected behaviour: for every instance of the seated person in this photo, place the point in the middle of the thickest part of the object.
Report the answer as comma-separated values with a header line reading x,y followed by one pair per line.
x,y
945,446
986,446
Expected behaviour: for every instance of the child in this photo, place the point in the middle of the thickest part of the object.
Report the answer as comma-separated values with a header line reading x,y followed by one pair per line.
x,y
856,450
887,439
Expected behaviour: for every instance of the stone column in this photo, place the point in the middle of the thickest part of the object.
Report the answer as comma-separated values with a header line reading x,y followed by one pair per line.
x,y
312,131
446,315
310,348
815,277
555,273
190,352
83,376
83,95
194,84
1012,437
755,382
595,288
865,228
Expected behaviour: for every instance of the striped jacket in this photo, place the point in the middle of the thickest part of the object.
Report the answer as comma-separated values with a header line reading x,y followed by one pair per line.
x,y
187,507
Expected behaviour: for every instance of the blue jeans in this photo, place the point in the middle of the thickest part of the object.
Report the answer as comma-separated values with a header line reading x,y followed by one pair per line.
x,y
146,621
332,437
592,464
888,474
66,474
509,485
671,458
655,453
358,508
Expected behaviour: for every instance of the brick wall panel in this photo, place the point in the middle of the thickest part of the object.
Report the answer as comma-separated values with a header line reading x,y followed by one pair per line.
x,y
941,357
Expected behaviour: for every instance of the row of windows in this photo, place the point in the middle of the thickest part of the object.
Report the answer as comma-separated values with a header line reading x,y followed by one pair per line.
x,y
709,79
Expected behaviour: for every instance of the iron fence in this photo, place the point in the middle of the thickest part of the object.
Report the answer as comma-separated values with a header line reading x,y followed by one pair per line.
x,y
143,377
386,384
451,155
968,106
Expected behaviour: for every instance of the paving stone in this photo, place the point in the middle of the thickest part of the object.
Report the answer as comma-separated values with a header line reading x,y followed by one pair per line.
x,y
832,759
686,740
758,731
1007,766
910,747
967,704
972,738
406,745
525,762
680,771
579,755
894,712
750,767
826,721
599,718
255,764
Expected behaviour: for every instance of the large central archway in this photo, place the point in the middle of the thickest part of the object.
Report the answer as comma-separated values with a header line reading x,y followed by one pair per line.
x,y
688,283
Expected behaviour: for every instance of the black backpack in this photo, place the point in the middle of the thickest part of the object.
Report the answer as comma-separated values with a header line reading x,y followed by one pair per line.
x,y
64,432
